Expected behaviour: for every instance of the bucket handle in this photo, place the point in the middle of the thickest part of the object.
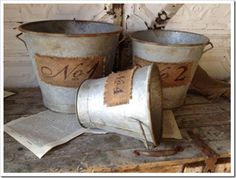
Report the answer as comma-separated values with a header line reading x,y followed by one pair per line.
x,y
209,48
122,39
144,135
23,41
141,124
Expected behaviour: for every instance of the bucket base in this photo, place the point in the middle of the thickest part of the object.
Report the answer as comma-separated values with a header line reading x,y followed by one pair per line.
x,y
70,109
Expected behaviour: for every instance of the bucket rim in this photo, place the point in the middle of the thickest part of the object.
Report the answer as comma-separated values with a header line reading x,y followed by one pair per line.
x,y
22,29
172,45
76,105
155,113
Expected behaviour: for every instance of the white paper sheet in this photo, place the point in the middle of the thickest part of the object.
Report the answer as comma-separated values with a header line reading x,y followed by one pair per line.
x,y
8,93
45,130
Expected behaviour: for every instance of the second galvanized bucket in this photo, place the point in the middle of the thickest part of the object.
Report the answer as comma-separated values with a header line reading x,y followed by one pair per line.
x,y
176,53
140,118
67,52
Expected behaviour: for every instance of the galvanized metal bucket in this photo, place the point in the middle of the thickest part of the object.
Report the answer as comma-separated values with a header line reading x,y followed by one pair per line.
x,y
176,53
141,118
65,53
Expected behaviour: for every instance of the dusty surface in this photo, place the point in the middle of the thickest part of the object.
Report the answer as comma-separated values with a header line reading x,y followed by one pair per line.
x,y
209,119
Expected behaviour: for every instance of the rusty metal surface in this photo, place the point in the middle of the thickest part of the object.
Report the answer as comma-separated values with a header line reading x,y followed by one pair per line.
x,y
212,156
159,153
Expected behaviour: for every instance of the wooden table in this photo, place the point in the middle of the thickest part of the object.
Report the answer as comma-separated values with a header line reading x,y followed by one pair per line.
x,y
113,152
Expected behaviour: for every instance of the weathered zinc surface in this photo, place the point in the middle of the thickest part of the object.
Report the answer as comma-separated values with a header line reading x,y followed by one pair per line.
x,y
176,53
112,152
135,117
66,52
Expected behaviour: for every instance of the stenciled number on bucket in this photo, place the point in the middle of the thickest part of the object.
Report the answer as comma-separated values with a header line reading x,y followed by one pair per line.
x,y
164,73
75,72
118,88
172,74
181,76
71,71
120,80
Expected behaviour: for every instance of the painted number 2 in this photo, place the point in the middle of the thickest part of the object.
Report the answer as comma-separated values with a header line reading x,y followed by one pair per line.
x,y
180,72
181,76
174,74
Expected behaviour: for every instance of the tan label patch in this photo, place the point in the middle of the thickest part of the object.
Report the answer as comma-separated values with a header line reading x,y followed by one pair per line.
x,y
172,74
118,88
69,72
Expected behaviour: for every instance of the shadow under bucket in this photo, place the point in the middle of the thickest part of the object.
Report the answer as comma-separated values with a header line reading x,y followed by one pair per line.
x,y
176,53
67,52
140,117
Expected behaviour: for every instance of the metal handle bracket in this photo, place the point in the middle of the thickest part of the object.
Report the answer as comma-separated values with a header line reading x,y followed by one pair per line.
x,y
23,41
209,48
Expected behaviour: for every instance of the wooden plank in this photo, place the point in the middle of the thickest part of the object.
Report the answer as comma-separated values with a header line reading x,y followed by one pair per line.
x,y
213,119
196,99
197,109
222,165
225,167
183,165
108,151
96,150
25,102
209,133
196,169
144,168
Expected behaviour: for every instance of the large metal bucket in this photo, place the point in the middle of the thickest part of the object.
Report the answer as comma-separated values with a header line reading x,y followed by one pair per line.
x,y
176,53
65,53
141,118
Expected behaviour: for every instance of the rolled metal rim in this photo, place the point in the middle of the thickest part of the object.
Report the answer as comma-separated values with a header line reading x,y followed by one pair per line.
x,y
156,109
172,45
76,105
23,28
